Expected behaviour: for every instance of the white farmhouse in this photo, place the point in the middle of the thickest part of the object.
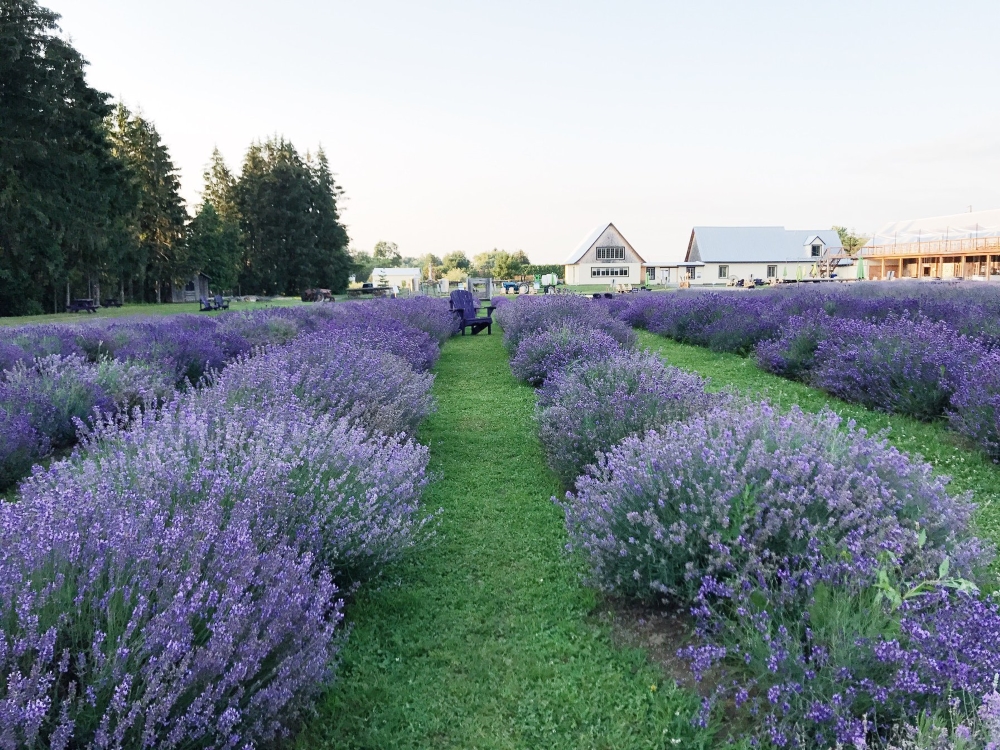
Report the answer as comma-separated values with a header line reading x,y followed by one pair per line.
x,y
402,278
717,254
604,256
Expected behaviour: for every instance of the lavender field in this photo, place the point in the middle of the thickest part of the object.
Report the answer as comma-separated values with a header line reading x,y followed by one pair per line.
x,y
838,590
333,525
177,579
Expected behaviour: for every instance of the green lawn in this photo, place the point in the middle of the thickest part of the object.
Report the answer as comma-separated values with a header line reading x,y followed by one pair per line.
x,y
147,309
487,639
943,449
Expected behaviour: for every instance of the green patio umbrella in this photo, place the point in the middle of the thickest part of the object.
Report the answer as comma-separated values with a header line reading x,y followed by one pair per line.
x,y
798,272
860,274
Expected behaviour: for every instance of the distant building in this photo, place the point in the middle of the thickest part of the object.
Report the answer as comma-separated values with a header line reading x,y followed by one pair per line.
x,y
717,254
604,256
403,278
958,246
191,290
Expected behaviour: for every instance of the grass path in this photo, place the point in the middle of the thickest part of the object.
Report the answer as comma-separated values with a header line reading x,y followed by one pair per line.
x,y
486,640
969,469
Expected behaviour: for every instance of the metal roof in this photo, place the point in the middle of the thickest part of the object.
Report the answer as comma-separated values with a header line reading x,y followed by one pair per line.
x,y
755,244
587,243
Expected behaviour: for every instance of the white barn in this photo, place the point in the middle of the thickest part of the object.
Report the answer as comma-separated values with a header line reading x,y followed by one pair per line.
x,y
717,254
403,278
605,256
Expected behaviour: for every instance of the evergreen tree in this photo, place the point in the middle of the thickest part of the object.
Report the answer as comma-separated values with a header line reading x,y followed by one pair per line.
x,y
330,259
214,241
214,247
158,254
293,238
63,194
220,188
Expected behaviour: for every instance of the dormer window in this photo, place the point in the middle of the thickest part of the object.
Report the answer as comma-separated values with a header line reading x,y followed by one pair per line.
x,y
816,250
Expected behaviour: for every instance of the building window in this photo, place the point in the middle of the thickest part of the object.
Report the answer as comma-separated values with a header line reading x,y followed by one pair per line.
x,y
596,271
611,253
723,272
772,272
690,271
650,274
816,250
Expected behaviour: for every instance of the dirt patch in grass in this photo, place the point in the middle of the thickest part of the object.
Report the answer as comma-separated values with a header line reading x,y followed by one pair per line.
x,y
660,630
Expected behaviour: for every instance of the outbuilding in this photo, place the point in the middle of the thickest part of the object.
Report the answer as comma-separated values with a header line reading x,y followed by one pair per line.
x,y
604,256
716,255
191,290
402,278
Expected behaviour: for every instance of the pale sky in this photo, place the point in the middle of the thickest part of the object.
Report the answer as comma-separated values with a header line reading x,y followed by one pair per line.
x,y
521,125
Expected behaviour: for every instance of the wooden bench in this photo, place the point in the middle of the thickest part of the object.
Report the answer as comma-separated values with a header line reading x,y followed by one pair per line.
x,y
463,304
81,305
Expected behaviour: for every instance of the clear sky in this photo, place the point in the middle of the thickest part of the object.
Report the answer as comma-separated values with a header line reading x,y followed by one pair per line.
x,y
520,125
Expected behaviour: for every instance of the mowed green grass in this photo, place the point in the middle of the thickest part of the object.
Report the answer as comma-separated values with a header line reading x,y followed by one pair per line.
x,y
172,308
486,640
943,449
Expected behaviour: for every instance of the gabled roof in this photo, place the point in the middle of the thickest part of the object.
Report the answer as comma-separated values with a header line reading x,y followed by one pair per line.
x,y
591,238
754,244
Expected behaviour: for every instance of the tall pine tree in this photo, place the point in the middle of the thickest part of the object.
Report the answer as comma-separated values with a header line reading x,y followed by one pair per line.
x,y
215,245
158,252
291,227
63,194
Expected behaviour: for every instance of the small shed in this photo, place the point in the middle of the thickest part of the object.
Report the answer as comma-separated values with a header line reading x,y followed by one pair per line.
x,y
404,278
190,290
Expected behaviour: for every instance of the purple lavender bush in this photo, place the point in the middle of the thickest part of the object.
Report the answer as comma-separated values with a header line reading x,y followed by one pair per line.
x,y
588,407
365,325
21,445
540,355
743,491
528,315
975,404
56,393
902,365
792,354
374,390
148,623
430,315
173,582
776,529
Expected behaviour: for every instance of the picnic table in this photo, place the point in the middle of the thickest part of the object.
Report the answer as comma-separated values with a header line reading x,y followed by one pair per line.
x,y
80,305
111,302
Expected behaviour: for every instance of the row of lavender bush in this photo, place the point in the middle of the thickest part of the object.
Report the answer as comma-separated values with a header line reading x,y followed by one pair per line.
x,y
831,578
922,350
56,376
176,581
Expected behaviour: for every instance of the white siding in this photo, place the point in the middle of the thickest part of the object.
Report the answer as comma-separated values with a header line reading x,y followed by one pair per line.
x,y
709,274
580,273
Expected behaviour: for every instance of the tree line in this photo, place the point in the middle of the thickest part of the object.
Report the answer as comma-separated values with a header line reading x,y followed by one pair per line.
x,y
90,200
454,266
